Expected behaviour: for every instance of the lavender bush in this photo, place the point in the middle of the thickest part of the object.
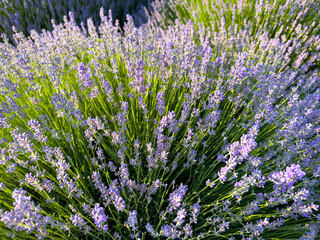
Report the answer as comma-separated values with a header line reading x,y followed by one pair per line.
x,y
153,134
230,15
27,15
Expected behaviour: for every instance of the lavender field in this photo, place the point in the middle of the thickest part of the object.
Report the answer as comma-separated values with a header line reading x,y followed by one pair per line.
x,y
192,120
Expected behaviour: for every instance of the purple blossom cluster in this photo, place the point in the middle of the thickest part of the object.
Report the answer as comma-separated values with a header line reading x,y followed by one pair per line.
x,y
284,180
99,217
132,220
26,216
176,198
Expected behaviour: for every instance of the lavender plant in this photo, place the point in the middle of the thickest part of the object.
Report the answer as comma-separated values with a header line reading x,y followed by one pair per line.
x,y
234,15
150,134
35,14
295,22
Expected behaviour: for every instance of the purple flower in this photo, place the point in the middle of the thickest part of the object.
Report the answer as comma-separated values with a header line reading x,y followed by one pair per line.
x,y
160,107
132,220
188,232
284,180
151,230
99,216
167,231
107,89
119,203
154,187
223,174
181,214
38,133
195,211
25,216
48,185
116,138
86,207
77,220
115,196
152,161
124,172
105,228
210,184
4,123
96,179
177,197
138,82
84,76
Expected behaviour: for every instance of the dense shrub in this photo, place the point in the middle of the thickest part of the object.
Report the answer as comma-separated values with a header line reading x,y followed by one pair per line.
x,y
292,22
153,133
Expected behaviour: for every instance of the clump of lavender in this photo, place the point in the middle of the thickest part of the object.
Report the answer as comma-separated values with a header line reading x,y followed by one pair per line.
x,y
237,22
151,134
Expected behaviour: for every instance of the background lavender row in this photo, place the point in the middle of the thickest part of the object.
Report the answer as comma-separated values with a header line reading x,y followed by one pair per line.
x,y
26,15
